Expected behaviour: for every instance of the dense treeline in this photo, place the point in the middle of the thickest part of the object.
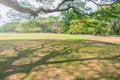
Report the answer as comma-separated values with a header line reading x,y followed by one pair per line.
x,y
105,21
38,25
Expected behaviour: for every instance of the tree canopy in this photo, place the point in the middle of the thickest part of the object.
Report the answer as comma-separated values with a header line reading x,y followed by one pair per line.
x,y
47,6
76,16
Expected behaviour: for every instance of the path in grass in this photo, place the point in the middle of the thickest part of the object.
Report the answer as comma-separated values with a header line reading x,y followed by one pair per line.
x,y
59,60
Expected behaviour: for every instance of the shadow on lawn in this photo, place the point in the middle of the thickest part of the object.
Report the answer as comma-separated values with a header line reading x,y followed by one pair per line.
x,y
68,48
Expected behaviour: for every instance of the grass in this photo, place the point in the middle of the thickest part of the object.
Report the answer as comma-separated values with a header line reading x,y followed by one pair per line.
x,y
28,36
9,36
118,43
58,57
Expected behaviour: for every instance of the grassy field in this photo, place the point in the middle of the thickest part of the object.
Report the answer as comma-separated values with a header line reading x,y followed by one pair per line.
x,y
28,36
59,57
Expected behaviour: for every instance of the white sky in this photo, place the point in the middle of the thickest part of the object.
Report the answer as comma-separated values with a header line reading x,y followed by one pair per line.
x,y
4,10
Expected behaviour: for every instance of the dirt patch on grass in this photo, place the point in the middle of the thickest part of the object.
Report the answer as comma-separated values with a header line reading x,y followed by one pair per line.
x,y
18,76
105,39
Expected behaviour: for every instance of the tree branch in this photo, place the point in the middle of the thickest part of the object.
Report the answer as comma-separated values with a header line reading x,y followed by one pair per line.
x,y
15,5
33,12
117,1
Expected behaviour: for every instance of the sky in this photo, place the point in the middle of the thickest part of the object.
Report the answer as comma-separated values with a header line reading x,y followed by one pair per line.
x,y
4,10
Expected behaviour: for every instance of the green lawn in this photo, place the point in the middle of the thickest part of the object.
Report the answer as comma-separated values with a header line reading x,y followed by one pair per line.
x,y
6,36
59,57
28,36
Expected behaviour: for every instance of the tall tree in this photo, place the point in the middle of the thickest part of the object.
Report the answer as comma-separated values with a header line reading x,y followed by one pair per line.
x,y
67,17
110,15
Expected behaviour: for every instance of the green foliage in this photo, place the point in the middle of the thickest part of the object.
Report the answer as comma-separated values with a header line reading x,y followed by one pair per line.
x,y
67,17
105,21
8,27
62,27
76,27
109,15
89,26
38,25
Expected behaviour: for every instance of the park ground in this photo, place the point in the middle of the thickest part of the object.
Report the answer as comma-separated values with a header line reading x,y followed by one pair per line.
x,y
46,56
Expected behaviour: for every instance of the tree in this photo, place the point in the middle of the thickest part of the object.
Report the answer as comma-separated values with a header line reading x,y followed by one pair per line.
x,y
48,25
76,27
8,27
67,17
48,5
17,16
88,26
78,8
109,15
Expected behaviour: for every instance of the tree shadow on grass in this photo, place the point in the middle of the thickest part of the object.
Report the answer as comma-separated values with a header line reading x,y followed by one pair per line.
x,y
7,64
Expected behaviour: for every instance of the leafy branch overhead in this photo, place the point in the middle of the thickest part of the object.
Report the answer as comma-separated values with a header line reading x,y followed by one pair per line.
x,y
62,5
34,12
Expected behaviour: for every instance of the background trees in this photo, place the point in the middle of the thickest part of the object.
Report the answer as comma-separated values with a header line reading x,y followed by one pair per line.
x,y
38,25
111,16
76,17
104,21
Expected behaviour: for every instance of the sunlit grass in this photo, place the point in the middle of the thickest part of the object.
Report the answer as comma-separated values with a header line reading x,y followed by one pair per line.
x,y
28,36
118,43
6,36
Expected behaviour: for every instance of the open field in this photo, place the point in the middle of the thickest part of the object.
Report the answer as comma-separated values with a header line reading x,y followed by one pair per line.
x,y
23,36
59,57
